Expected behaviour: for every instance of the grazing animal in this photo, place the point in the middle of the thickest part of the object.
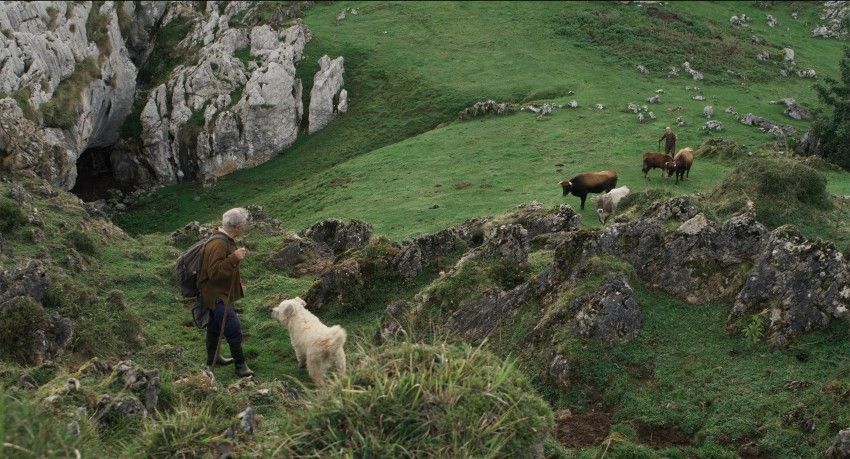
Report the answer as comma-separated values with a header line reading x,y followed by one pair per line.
x,y
654,160
607,203
317,346
681,164
590,182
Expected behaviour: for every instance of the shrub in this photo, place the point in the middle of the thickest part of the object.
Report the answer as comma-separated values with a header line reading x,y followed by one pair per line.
x,y
20,318
417,400
11,215
778,187
97,28
82,241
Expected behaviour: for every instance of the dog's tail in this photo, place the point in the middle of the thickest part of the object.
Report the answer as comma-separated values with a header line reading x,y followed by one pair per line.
x,y
335,338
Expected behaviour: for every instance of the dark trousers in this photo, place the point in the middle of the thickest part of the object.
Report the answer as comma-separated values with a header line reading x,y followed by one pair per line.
x,y
670,149
232,327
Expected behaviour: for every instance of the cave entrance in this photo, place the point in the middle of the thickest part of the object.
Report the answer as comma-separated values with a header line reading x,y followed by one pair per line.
x,y
94,174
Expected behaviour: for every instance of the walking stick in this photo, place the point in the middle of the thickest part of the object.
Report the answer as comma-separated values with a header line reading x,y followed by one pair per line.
x,y
220,334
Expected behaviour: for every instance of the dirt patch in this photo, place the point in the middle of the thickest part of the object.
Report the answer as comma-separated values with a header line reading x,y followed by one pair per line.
x,y
665,16
645,374
462,185
661,436
579,430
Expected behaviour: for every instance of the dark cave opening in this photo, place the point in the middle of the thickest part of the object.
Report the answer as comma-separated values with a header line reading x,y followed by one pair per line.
x,y
95,176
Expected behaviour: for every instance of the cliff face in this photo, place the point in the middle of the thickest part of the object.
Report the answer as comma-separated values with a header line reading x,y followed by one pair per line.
x,y
66,66
206,90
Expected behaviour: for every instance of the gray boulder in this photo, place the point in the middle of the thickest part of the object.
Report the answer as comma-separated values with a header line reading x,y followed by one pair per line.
x,y
302,256
840,448
109,411
29,279
339,236
796,111
418,253
797,284
144,382
509,242
327,84
609,315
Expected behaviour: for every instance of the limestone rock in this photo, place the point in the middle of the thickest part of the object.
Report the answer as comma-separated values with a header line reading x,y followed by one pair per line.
x,y
797,284
840,448
482,108
327,84
144,382
834,14
29,279
609,315
302,256
509,242
708,111
339,236
766,125
109,411
771,21
796,111
642,69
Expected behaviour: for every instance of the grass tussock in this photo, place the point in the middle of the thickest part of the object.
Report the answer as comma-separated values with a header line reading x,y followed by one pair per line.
x,y
97,29
414,400
21,317
782,190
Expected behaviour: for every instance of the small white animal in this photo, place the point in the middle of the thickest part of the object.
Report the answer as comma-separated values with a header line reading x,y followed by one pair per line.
x,y
317,346
606,204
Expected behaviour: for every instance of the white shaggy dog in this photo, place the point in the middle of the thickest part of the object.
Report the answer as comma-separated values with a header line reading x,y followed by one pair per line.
x,y
317,346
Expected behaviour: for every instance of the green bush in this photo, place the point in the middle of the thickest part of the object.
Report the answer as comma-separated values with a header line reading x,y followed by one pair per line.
x,y
778,187
83,242
412,400
11,215
97,28
21,317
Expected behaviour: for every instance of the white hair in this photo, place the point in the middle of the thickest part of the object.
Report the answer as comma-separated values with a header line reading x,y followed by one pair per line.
x,y
234,218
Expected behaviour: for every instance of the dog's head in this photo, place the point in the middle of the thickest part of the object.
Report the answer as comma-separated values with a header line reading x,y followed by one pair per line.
x,y
287,309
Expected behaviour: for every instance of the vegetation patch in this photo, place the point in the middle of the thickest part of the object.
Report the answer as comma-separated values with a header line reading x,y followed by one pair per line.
x,y
97,29
658,39
781,189
11,215
21,317
61,110
423,401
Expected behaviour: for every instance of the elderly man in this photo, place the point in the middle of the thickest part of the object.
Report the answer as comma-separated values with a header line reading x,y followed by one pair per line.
x,y
669,141
220,286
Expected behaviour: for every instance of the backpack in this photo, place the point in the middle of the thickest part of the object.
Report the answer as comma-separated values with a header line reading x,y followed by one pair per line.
x,y
189,265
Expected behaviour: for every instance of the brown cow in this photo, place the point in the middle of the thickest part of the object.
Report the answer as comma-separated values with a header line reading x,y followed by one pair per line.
x,y
681,164
654,160
590,182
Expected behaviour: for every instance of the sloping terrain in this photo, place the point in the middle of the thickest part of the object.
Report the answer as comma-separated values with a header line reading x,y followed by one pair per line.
x,y
673,378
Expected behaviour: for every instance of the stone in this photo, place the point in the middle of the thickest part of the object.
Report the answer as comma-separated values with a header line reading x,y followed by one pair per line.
x,y
796,111
698,97
694,73
771,21
418,253
712,126
327,83
508,242
840,448
797,284
708,111
144,382
302,256
766,125
191,233
560,370
489,107
248,420
609,315
654,99
572,104
642,69
651,115
339,236
788,54
28,279
763,56
808,73
680,120
109,411
694,225
673,72
835,15
27,382
599,107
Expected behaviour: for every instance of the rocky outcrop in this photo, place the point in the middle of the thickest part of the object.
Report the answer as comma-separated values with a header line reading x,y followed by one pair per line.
x,y
70,52
339,236
483,108
146,20
608,315
143,382
778,130
220,114
840,448
327,98
795,110
391,323
835,14
797,284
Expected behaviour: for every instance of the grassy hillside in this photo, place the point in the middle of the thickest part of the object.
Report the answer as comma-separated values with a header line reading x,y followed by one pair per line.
x,y
401,160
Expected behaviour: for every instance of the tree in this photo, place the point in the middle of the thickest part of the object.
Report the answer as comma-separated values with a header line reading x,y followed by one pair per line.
x,y
833,132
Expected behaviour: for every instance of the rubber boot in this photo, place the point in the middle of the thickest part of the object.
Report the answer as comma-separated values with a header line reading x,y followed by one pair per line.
x,y
212,342
242,369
